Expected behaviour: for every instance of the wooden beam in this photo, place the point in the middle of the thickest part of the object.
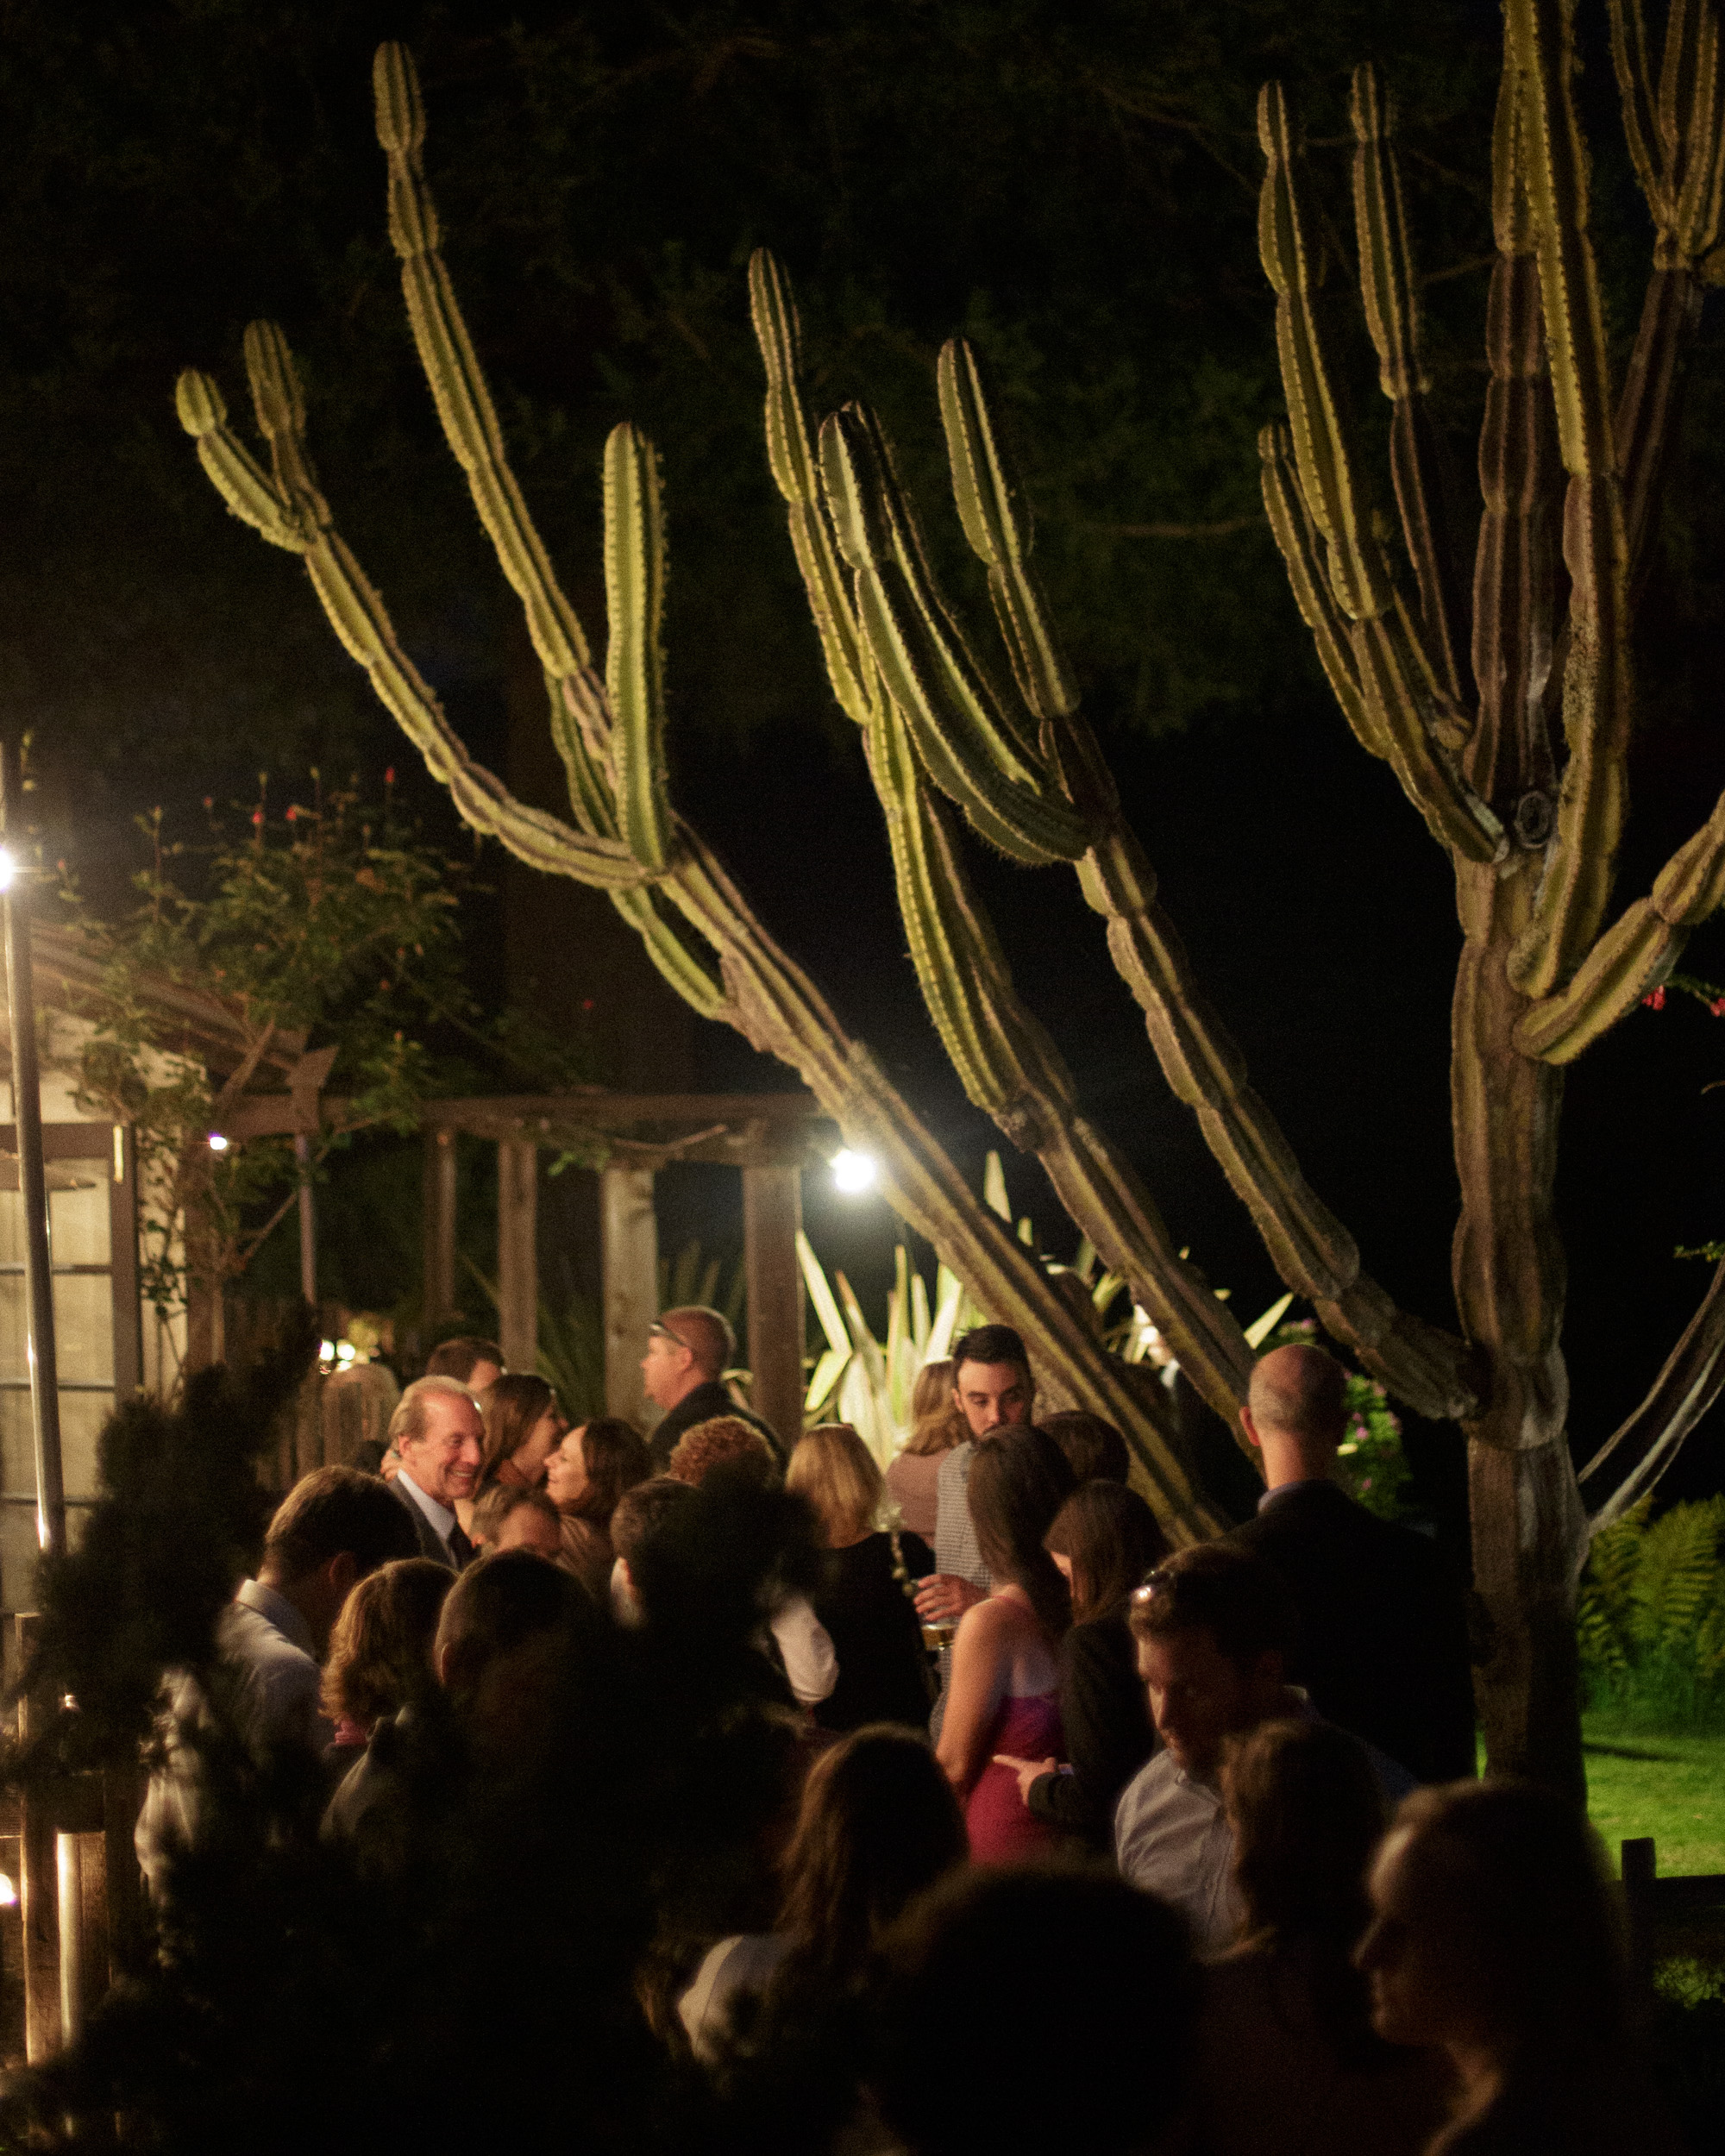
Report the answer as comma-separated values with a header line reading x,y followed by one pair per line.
x,y
439,1230
39,1878
122,1258
629,1256
772,1218
518,1257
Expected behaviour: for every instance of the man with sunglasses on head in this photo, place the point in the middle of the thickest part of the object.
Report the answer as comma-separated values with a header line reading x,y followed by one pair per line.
x,y
1212,1627
688,1352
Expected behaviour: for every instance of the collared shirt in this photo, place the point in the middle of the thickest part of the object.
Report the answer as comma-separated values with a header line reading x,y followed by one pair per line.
x,y
956,1548
441,1517
266,1653
1172,1838
1287,1489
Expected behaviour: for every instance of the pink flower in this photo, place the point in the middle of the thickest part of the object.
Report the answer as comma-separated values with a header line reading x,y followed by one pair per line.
x,y
389,776
1656,1001
1718,1009
293,814
587,1003
209,800
257,819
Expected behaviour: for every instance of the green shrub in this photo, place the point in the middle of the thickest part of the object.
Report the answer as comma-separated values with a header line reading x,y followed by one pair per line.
x,y
1651,1622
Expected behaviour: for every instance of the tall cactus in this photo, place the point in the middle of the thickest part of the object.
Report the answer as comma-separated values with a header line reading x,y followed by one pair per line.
x,y
1457,685
626,837
1457,694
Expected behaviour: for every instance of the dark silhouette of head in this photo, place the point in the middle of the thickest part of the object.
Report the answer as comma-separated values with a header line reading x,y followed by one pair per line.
x,y
1019,1482
1094,1450
1110,1538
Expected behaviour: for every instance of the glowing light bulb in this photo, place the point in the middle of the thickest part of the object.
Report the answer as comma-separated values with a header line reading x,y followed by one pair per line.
x,y
218,1142
9,869
853,1173
9,1893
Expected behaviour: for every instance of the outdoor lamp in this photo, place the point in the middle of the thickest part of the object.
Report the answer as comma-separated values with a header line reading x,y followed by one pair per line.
x,y
853,1173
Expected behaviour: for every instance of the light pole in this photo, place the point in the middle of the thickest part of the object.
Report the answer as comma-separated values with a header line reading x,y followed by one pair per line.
x,y
27,1117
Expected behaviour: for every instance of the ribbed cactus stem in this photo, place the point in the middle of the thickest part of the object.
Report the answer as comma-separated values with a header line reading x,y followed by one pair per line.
x,y
635,665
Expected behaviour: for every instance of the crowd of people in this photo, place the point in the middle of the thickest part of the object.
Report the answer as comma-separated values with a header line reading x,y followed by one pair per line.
x,y
981,1817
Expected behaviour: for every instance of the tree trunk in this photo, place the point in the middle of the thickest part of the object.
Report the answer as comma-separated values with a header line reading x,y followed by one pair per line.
x,y
1529,1529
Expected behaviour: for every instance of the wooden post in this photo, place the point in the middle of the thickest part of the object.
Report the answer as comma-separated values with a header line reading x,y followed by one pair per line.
x,y
518,1257
772,1218
629,1259
439,1230
122,1258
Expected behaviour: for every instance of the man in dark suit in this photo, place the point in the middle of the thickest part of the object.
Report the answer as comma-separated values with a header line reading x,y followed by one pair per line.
x,y
688,1352
1382,1645
436,1429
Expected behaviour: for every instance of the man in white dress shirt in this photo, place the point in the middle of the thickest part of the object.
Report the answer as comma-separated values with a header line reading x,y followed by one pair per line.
x,y
437,1431
334,1527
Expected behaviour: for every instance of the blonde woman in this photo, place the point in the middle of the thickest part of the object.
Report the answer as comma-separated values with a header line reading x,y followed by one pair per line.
x,y
936,1427
883,1671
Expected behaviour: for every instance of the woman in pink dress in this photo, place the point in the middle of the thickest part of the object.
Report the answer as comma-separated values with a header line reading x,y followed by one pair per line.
x,y
1003,1697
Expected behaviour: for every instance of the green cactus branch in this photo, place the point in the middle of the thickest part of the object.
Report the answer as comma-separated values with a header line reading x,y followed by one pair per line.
x,y
1316,1256
1592,800
1389,289
1509,759
1412,714
664,879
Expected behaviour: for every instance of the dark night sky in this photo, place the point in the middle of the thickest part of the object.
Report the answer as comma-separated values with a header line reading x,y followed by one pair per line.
x,y
179,169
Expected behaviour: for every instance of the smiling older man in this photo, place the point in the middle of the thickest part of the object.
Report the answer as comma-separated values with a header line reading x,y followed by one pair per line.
x,y
436,1428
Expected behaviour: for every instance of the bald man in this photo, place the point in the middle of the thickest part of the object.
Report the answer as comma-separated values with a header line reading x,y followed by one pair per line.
x,y
688,1352
1383,1636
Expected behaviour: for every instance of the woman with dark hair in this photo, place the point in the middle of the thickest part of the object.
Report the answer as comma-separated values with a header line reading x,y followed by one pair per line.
x,y
1495,1938
1104,1540
1002,1697
878,1823
522,1423
1287,2060
585,1479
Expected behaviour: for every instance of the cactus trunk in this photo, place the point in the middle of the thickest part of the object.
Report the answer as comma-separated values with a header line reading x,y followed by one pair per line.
x,y
1529,1533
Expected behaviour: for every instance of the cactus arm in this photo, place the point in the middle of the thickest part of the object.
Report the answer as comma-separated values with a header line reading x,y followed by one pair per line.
x,y
668,948
777,1008
250,491
360,619
1013,1071
1635,954
790,453
635,666
1321,445
1392,314
1597,701
1395,669
452,368
1677,141
1509,758
1303,550
961,735
1639,99
1645,1445
1311,1249
998,526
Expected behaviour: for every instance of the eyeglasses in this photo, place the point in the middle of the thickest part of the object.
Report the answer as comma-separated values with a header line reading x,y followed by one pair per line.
x,y
1153,1584
664,1332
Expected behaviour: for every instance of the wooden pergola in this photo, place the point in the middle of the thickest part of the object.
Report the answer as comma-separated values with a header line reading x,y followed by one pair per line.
x,y
771,1137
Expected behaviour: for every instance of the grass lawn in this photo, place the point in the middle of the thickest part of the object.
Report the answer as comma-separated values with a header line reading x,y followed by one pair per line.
x,y
1672,1787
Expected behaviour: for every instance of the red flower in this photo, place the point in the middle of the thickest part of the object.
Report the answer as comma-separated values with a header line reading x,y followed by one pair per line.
x,y
1718,1009
1656,1001
389,776
587,1003
257,819
209,800
293,814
